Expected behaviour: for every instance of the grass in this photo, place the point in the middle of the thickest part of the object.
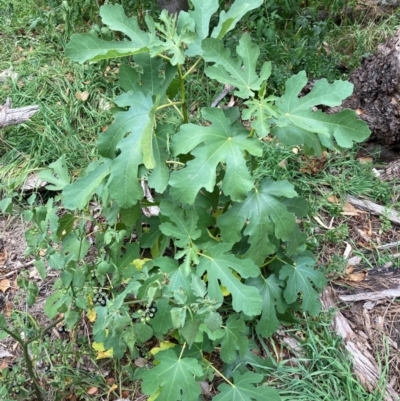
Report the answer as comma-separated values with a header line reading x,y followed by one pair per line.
x,y
65,124
324,372
33,38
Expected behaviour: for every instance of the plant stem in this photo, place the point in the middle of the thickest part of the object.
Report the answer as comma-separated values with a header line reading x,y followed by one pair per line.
x,y
24,346
174,162
168,105
220,374
183,95
189,71
31,373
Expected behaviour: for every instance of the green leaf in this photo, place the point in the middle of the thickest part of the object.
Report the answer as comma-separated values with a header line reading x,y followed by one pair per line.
x,y
297,206
223,142
143,332
244,389
159,177
261,215
190,330
213,321
65,225
228,20
182,225
136,148
174,377
130,215
78,194
56,261
58,175
298,124
203,10
272,302
228,70
259,113
71,317
176,34
76,248
88,46
235,339
162,321
198,287
220,265
345,127
155,77
41,268
6,205
114,16
55,302
300,280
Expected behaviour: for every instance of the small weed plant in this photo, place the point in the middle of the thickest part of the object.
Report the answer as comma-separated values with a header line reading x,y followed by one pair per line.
x,y
196,253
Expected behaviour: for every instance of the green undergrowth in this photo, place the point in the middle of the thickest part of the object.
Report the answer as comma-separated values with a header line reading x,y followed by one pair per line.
x,y
65,123
321,369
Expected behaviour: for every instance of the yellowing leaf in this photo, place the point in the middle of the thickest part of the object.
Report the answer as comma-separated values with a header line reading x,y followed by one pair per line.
x,y
101,351
225,292
139,263
91,315
163,346
155,395
112,388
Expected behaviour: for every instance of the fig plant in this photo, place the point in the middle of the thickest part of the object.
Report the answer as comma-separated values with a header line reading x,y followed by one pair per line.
x,y
192,250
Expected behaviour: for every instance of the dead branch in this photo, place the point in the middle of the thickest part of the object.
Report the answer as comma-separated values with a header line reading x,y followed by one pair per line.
x,y
364,364
10,116
374,208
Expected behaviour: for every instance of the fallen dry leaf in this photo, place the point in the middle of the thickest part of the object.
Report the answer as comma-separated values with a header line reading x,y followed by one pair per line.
x,y
319,221
5,285
347,251
365,160
354,261
356,276
82,95
333,199
350,210
92,390
3,258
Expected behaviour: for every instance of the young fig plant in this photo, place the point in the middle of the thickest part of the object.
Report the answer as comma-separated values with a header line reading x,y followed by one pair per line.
x,y
192,250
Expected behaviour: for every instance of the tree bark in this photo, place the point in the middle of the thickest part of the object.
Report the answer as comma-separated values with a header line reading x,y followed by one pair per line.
x,y
376,96
173,6
9,116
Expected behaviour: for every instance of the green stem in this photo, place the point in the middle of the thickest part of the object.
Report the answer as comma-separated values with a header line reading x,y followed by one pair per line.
x,y
183,95
168,105
220,374
29,366
164,57
189,71
183,348
174,162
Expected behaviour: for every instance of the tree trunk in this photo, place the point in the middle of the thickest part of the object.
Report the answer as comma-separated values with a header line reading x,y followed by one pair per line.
x,y
173,6
9,116
376,96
